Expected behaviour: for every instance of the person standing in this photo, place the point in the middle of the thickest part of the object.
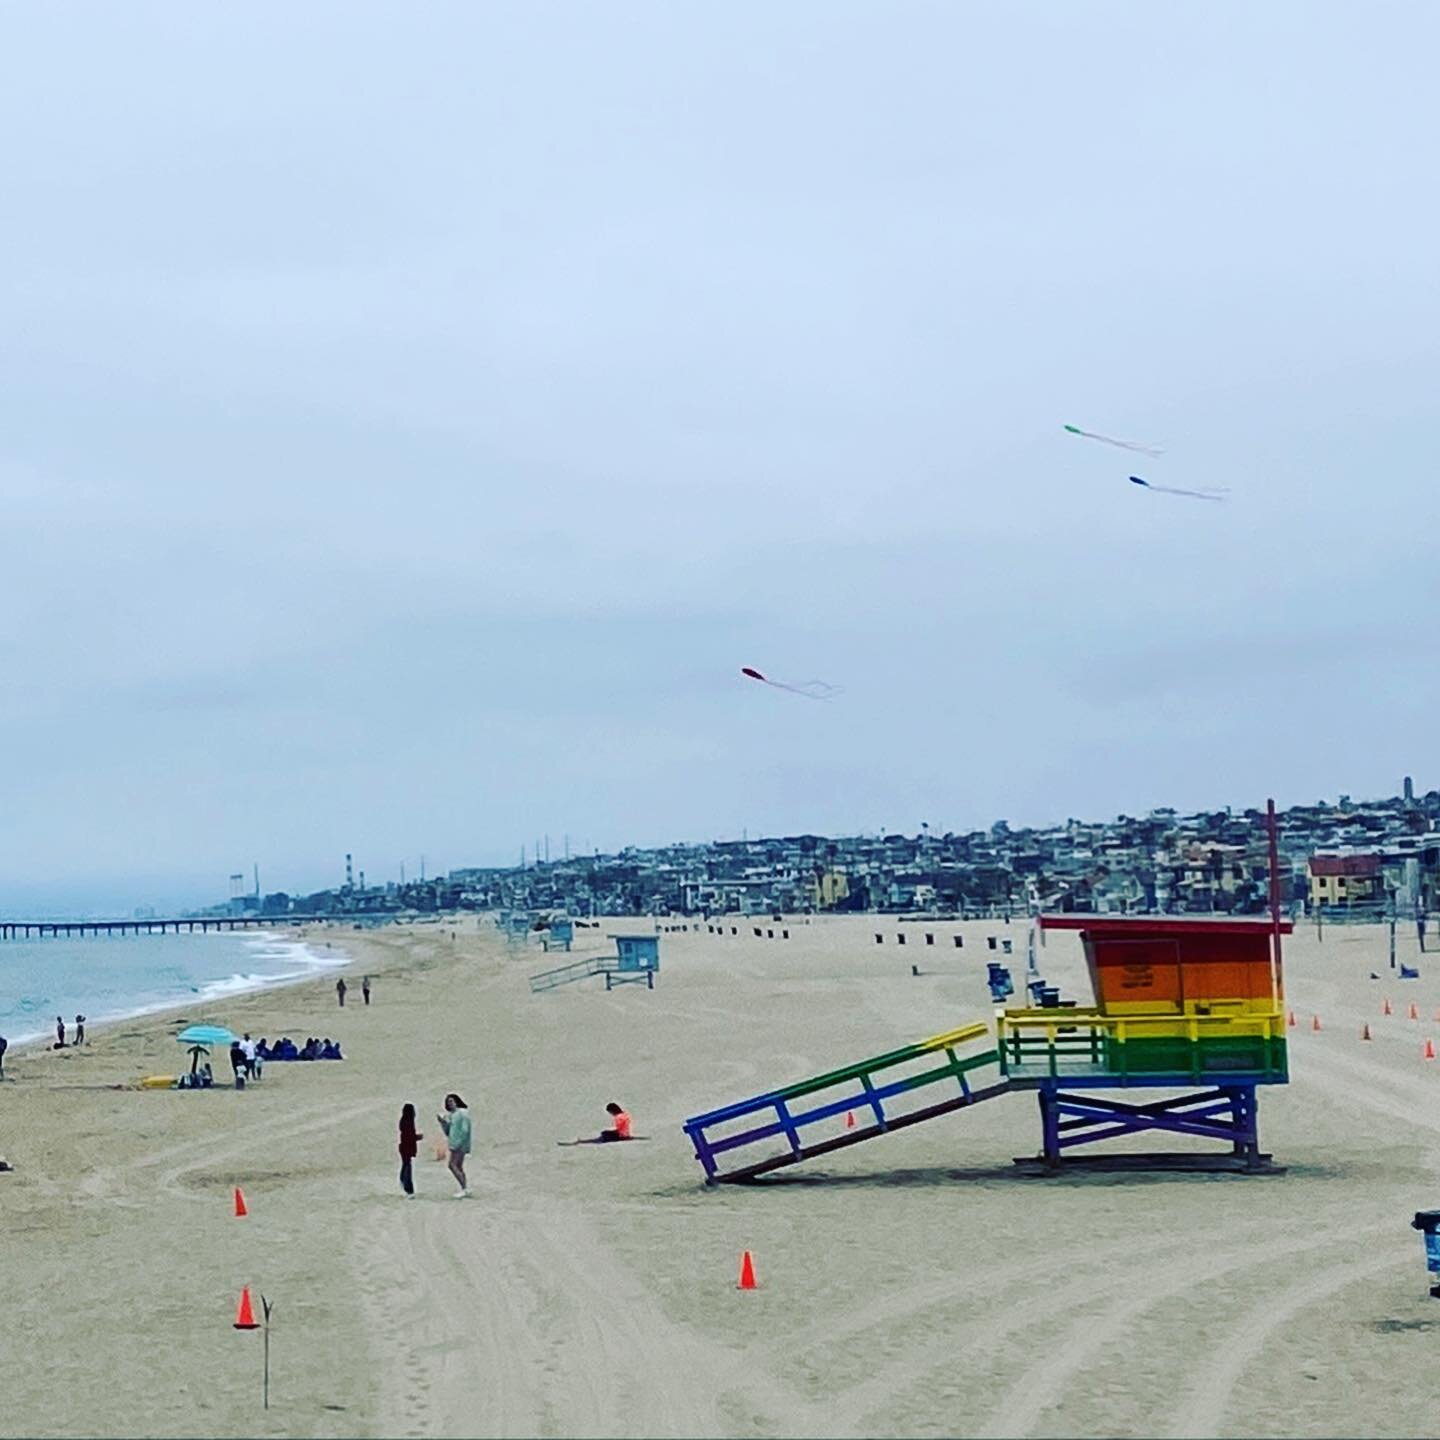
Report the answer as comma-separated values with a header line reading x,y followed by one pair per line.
x,y
59,1033
237,1062
247,1048
4,1046
456,1125
79,1029
340,991
365,989
410,1139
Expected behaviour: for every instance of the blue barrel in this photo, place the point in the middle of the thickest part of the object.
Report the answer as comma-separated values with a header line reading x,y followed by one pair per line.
x,y
1428,1223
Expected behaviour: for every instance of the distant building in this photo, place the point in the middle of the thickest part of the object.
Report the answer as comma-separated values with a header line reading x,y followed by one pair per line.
x,y
829,888
1345,879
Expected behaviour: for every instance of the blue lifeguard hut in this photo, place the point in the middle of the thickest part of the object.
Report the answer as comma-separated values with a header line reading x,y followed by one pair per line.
x,y
559,935
637,959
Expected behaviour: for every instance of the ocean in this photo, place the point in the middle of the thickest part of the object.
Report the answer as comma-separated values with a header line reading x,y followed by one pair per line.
x,y
112,978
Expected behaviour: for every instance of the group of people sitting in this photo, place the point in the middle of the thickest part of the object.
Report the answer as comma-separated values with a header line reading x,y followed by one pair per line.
x,y
286,1049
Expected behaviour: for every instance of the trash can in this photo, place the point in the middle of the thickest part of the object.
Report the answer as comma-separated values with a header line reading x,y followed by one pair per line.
x,y
1428,1223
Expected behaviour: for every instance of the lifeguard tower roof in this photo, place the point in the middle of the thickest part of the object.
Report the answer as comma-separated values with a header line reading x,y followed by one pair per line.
x,y
1155,964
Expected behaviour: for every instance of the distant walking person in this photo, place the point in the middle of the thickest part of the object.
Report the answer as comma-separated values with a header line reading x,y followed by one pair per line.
x,y
365,989
4,1046
79,1029
456,1125
340,991
410,1139
59,1033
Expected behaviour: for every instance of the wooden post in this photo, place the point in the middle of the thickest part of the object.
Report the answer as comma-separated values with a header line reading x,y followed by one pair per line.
x,y
1274,838
265,1382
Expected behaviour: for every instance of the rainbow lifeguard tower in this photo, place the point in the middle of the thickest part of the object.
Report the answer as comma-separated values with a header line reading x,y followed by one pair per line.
x,y
1187,1022
1178,1004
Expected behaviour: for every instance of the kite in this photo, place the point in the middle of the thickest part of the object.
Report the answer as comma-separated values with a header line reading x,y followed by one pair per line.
x,y
810,689
1173,490
1122,444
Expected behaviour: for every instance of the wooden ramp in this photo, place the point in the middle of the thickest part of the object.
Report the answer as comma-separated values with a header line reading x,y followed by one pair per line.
x,y
873,1087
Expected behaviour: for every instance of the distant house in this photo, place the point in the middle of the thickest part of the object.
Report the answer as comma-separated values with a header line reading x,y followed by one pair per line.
x,y
1345,879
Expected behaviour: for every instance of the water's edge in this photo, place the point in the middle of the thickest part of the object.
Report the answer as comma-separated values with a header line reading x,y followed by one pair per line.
x,y
312,962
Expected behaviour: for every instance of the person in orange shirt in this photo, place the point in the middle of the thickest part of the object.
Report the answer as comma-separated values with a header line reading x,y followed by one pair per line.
x,y
620,1122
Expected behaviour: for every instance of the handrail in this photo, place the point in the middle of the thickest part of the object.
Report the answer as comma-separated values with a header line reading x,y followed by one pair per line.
x,y
867,1095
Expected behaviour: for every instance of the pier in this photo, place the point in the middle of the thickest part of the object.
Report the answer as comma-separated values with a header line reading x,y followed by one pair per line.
x,y
76,929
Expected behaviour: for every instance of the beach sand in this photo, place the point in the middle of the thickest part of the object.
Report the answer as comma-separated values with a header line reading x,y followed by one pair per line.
x,y
914,1285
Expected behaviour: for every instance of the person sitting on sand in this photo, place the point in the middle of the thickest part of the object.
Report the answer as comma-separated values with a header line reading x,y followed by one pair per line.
x,y
456,1125
620,1122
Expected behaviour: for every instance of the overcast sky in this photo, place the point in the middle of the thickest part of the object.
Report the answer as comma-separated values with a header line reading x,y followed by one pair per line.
x,y
412,417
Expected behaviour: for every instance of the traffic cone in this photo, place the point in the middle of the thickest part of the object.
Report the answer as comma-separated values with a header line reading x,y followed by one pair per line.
x,y
245,1316
747,1273
1290,1019
1414,1011
240,1207
1387,1009
1429,1049
1365,1033
849,1119
1315,1023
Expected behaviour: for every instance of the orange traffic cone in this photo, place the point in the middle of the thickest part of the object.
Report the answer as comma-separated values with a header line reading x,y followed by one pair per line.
x,y
240,1207
1429,1049
849,1119
1414,1011
747,1273
1290,1018
1315,1023
245,1316
1365,1033
1386,1009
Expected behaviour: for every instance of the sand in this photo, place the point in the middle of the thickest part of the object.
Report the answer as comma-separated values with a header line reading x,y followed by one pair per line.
x,y
915,1285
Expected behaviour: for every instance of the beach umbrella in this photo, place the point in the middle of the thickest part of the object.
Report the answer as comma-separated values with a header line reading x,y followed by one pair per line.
x,y
200,1037
205,1035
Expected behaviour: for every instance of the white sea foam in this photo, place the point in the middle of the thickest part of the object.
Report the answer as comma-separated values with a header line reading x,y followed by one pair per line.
x,y
274,960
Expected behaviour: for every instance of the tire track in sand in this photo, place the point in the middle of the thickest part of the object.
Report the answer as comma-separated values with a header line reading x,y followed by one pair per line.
x,y
1039,1387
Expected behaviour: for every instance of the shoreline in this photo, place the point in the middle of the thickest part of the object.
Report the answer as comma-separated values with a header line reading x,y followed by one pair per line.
x,y
205,994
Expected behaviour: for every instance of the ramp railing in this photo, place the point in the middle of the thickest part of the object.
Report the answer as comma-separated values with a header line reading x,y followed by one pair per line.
x,y
864,1086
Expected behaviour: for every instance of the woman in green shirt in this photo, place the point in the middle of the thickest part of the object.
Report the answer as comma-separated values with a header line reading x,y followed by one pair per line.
x,y
456,1125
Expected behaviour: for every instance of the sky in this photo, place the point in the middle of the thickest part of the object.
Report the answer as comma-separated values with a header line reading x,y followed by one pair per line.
x,y
411,420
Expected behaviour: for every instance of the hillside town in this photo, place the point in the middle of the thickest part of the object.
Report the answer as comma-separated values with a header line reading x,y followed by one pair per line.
x,y
1345,860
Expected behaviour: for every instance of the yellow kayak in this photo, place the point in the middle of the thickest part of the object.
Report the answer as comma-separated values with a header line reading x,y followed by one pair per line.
x,y
157,1082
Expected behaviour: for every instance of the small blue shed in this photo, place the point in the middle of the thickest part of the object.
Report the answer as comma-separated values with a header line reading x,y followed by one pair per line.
x,y
637,959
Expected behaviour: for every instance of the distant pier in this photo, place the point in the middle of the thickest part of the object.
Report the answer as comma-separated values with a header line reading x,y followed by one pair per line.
x,y
77,929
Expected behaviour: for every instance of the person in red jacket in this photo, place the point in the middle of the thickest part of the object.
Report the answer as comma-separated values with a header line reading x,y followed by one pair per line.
x,y
410,1139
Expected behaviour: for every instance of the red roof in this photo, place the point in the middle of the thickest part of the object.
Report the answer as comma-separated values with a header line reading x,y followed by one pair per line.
x,y
1134,925
1344,864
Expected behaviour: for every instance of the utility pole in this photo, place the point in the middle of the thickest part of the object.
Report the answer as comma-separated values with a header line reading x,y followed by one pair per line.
x,y
422,869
